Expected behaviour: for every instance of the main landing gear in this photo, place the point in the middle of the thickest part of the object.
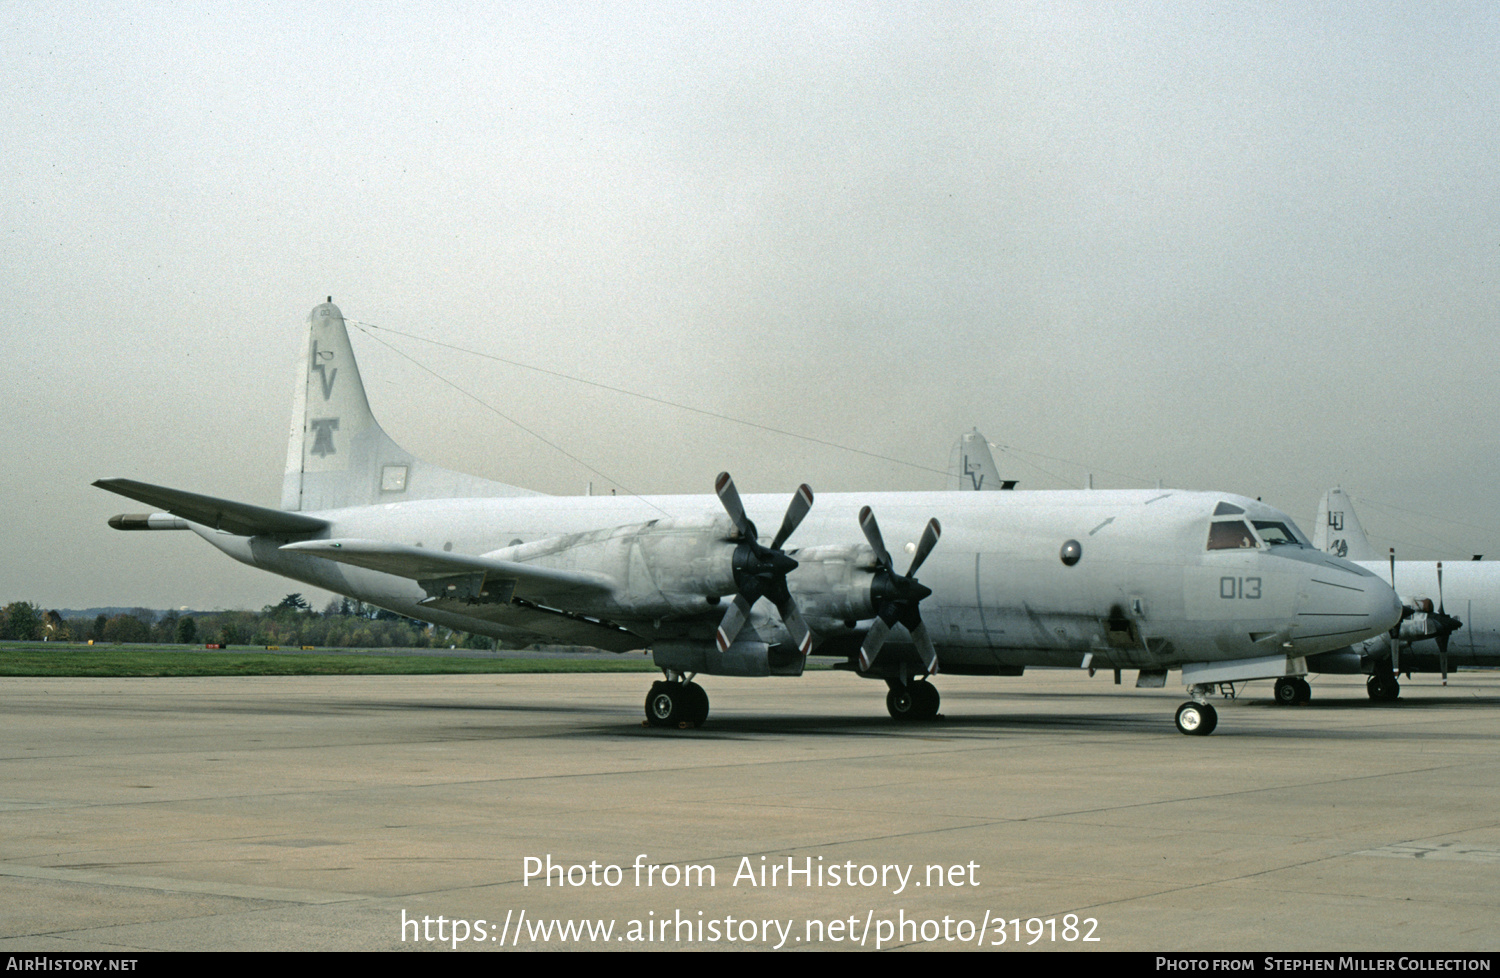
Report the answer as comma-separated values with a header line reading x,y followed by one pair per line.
x,y
676,703
1383,687
1292,691
917,700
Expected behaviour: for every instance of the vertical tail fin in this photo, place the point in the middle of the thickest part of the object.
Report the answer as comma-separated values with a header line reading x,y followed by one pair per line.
x,y
337,454
1338,530
972,467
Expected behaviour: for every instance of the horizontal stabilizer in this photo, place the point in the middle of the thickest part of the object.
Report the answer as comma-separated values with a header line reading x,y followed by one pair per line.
x,y
242,519
429,567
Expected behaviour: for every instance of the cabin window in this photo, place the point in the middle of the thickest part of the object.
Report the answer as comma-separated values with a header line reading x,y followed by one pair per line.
x,y
1231,535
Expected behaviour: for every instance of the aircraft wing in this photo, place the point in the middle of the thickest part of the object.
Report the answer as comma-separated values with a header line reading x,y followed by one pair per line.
x,y
539,584
503,591
241,519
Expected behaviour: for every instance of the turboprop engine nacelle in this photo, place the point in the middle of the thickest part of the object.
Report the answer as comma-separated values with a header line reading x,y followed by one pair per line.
x,y
833,585
662,569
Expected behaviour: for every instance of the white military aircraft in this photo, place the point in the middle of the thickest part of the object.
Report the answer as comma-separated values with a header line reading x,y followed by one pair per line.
x,y
1220,586
1462,629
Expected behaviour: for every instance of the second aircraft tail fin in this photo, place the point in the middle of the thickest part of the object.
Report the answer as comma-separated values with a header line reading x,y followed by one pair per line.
x,y
972,467
1338,530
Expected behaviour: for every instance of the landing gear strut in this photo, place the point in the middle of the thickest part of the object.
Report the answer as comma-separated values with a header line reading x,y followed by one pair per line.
x,y
1291,691
917,700
675,703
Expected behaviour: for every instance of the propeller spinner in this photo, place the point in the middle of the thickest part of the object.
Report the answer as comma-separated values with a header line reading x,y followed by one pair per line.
x,y
896,598
760,571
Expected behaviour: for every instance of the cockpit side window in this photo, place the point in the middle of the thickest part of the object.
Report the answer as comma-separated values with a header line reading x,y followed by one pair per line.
x,y
1231,535
1277,533
1227,509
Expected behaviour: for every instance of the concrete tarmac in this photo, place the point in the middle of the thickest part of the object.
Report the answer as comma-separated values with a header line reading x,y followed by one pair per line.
x,y
321,813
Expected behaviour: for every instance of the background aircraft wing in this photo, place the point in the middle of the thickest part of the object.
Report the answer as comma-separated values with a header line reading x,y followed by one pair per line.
x,y
242,519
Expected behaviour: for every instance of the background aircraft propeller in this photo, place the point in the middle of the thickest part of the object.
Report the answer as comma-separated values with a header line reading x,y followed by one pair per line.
x,y
1396,628
760,571
1447,624
1443,624
896,598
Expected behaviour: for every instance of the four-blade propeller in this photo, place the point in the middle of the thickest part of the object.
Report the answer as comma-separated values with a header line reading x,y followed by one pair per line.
x,y
1447,624
760,571
1443,625
896,598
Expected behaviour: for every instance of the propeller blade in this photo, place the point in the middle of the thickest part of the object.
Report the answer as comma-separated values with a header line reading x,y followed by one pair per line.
x,y
925,545
730,497
734,619
897,598
872,534
761,571
791,616
873,641
925,648
801,502
1440,587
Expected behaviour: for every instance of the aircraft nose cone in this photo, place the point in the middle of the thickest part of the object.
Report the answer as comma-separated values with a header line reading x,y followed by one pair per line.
x,y
1385,606
1343,604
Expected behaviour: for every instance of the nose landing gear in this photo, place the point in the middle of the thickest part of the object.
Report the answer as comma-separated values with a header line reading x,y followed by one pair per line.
x,y
1198,719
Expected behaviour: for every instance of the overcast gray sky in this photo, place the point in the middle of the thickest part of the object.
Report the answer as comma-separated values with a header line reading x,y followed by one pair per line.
x,y
1246,247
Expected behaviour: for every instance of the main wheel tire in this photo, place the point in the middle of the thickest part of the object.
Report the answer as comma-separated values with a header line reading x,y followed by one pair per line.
x,y
667,705
928,700
1383,689
1197,719
915,701
901,703
1287,693
697,704
1304,690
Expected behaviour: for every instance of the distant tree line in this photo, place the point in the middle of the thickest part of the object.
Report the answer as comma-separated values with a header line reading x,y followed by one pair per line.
x,y
292,623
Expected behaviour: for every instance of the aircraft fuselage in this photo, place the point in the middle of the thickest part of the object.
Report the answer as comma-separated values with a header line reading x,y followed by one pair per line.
x,y
1145,592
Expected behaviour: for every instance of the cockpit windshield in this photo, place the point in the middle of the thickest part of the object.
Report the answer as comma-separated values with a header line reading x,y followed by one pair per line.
x,y
1231,535
1236,534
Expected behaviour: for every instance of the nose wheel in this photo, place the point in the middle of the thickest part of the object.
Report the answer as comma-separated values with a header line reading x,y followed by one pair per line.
x,y
1198,719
